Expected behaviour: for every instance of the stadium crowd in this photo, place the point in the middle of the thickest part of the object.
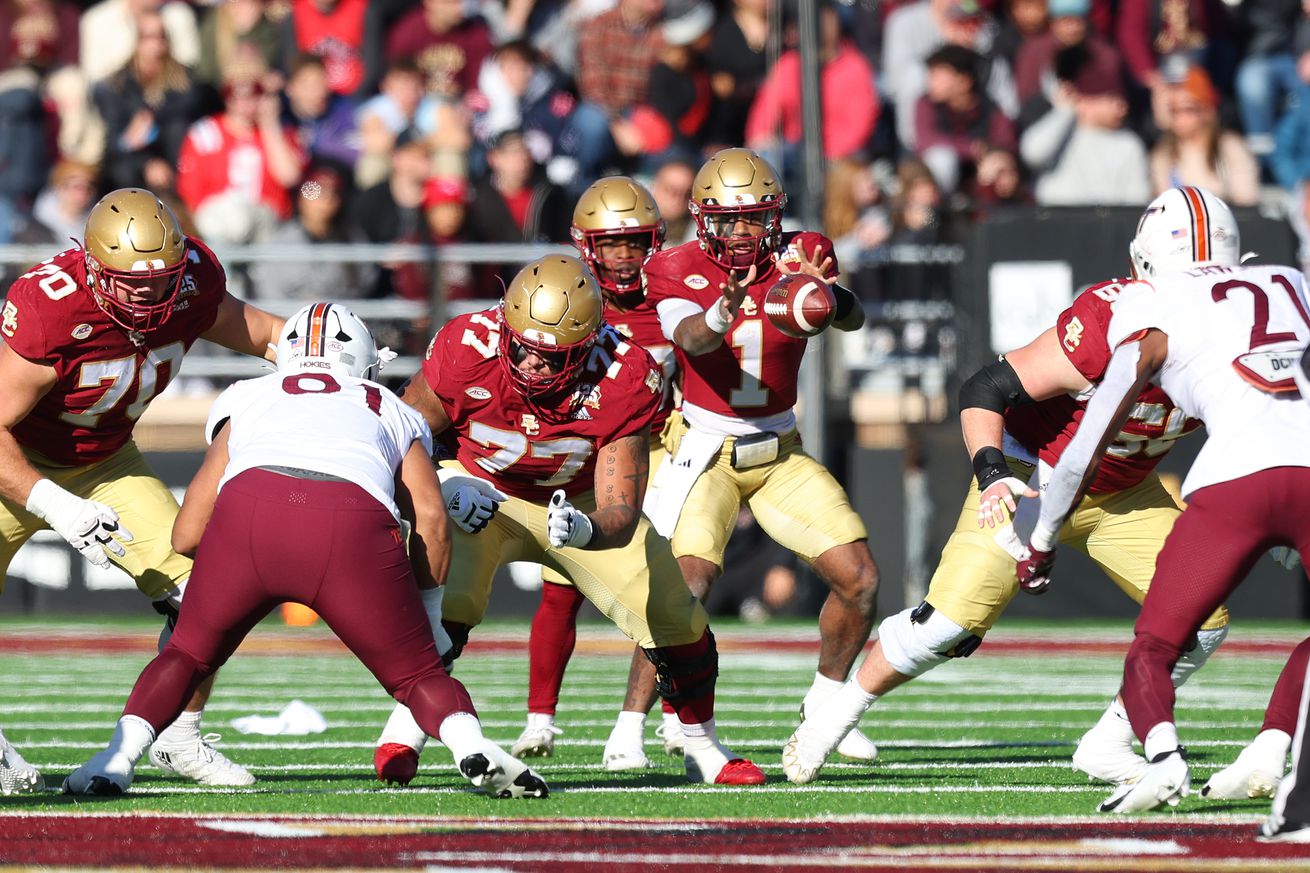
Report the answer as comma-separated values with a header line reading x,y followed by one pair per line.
x,y
308,121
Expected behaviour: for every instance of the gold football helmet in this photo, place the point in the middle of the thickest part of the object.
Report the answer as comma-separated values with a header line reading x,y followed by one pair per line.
x,y
737,201
136,254
612,207
552,309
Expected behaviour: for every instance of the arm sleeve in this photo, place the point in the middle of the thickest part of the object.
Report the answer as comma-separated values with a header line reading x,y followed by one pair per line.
x,y
673,311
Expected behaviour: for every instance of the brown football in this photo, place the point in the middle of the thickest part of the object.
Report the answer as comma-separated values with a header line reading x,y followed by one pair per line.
x,y
800,306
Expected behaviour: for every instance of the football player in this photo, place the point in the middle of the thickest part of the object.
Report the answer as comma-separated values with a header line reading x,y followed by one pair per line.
x,y
1221,340
552,408
90,338
616,228
273,517
1018,414
737,439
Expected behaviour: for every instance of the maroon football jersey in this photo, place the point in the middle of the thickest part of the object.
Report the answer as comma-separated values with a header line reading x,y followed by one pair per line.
x,y
1047,427
503,438
104,381
642,325
753,373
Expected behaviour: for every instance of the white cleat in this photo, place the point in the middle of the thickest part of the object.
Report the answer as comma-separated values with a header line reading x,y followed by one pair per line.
x,y
674,742
1164,781
1276,829
620,756
1108,759
16,775
855,746
196,759
107,774
804,755
1256,772
536,741
501,775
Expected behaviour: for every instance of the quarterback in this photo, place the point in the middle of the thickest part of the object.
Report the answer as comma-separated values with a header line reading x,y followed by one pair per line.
x,y
1018,415
90,338
551,408
273,517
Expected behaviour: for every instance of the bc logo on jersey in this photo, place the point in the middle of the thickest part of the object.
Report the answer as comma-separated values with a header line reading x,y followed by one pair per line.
x,y
1073,334
9,322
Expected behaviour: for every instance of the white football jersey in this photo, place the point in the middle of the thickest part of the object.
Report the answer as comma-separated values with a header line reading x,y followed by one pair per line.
x,y
326,422
1235,337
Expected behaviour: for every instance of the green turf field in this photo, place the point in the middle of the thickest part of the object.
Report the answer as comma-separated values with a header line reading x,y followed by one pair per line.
x,y
988,735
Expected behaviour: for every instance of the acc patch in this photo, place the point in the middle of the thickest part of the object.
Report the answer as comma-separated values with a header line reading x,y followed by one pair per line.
x,y
9,318
1073,334
477,392
82,331
696,281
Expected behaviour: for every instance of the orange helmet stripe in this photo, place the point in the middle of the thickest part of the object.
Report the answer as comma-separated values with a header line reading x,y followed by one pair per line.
x,y
317,324
1200,224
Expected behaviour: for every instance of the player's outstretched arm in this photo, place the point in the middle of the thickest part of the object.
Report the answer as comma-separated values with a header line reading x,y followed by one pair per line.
x,y
703,332
418,394
201,494
245,328
418,494
25,383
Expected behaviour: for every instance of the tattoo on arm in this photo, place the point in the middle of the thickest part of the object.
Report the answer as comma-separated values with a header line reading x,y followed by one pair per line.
x,y
623,469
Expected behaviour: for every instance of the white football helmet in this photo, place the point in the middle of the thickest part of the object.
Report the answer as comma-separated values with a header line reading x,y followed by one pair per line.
x,y
1181,228
327,336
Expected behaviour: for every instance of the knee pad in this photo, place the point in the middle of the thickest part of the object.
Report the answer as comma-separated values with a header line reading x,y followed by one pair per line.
x,y
916,640
684,673
1207,642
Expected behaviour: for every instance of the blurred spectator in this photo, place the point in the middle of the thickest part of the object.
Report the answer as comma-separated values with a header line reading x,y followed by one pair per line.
x,y
1079,150
1148,31
404,109
1277,49
1290,161
515,203
320,218
24,143
680,85
236,167
1000,181
42,33
954,121
59,214
616,52
448,43
671,188
1195,150
555,28
445,206
392,211
737,65
1025,21
333,30
854,215
850,102
230,25
323,121
914,31
916,207
1034,73
108,34
147,106
759,578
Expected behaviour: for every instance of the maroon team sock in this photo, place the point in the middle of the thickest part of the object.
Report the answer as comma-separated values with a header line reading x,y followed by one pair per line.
x,y
1285,702
550,644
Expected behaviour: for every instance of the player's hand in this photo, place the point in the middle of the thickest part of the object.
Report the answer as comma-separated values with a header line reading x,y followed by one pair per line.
x,y
734,291
89,526
566,526
1001,493
471,507
1287,557
1034,571
809,265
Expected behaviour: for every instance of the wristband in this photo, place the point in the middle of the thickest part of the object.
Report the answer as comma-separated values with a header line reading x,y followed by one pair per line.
x,y
583,531
47,500
989,467
716,320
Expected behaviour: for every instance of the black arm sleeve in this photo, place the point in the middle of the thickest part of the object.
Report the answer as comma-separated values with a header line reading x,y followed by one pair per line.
x,y
995,387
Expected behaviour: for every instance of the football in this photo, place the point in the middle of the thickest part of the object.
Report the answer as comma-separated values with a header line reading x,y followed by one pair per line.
x,y
800,306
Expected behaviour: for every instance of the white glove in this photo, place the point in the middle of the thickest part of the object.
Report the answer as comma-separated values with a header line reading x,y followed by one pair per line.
x,y
1000,493
1290,558
88,526
472,508
566,526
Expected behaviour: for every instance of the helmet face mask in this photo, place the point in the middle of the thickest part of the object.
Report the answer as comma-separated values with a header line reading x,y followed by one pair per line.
x,y
327,336
1182,228
550,317
612,211
136,256
737,202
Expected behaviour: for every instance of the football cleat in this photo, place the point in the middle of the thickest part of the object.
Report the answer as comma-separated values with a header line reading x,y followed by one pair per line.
x,y
1165,780
804,755
739,771
675,743
16,775
623,751
107,774
500,775
711,763
1256,772
1277,829
536,741
855,746
1107,758
197,759
395,763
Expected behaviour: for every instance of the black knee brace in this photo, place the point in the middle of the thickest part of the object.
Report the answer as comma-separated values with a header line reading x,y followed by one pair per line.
x,y
681,675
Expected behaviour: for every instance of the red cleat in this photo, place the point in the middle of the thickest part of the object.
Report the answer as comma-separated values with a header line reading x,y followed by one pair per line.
x,y
398,763
739,771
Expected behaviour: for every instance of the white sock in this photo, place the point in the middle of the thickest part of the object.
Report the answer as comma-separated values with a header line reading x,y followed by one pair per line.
x,y
671,722
432,606
841,711
401,728
820,690
132,736
630,727
540,720
185,727
461,732
1273,742
1114,723
698,731
1160,739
